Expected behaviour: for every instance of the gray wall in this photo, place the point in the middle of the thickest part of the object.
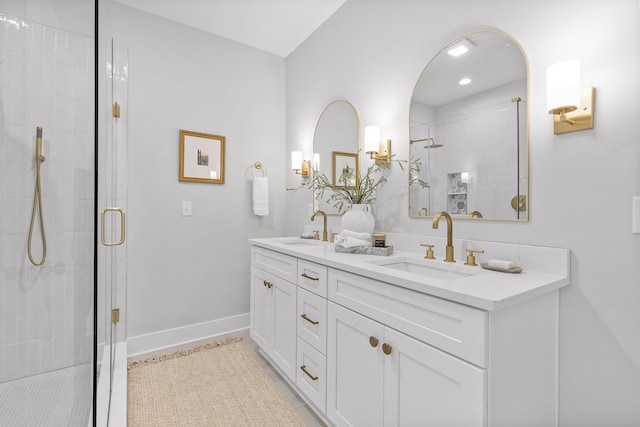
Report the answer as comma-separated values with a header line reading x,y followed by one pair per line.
x,y
371,53
189,270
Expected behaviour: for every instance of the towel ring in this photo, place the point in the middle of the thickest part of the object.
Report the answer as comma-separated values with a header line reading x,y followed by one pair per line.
x,y
259,166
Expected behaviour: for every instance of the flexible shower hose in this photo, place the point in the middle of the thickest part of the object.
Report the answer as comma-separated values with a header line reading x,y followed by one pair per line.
x,y
37,206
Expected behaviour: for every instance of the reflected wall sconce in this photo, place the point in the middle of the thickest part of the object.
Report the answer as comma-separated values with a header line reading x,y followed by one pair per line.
x,y
378,150
571,105
300,166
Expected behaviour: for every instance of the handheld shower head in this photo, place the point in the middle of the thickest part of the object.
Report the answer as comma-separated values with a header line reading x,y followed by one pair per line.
x,y
39,156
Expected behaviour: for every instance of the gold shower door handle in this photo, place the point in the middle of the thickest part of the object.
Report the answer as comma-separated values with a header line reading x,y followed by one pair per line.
x,y
102,228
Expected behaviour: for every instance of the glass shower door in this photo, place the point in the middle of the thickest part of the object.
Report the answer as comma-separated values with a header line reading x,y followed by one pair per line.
x,y
112,272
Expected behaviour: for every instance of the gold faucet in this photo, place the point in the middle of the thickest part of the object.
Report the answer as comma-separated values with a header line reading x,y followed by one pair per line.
x,y
477,214
324,233
449,250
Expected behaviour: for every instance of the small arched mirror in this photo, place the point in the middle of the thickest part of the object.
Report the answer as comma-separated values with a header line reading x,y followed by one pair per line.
x,y
336,143
469,138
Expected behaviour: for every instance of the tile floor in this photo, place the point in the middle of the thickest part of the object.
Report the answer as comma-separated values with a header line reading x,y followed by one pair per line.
x,y
60,398
306,413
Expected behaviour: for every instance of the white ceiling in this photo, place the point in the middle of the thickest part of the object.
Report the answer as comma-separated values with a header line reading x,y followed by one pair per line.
x,y
277,26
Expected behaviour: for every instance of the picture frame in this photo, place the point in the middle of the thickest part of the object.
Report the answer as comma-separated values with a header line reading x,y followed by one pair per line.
x,y
346,169
201,157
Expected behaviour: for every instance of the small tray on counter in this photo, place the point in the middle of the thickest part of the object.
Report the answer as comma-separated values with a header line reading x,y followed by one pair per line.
x,y
384,251
513,269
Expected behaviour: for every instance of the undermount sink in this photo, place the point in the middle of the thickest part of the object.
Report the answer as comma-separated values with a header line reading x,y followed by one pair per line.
x,y
423,268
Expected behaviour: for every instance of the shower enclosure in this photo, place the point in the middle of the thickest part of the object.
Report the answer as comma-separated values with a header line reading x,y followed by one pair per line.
x,y
57,319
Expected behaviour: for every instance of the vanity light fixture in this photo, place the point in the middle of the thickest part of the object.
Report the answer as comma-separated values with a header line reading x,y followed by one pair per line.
x,y
301,167
378,150
571,105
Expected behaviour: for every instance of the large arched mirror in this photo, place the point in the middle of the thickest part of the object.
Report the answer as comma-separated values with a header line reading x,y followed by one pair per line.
x,y
469,137
336,143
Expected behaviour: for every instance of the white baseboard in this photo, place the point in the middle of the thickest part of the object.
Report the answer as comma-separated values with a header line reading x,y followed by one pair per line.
x,y
161,340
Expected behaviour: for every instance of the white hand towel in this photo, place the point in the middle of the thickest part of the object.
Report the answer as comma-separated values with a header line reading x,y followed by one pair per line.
x,y
500,263
260,195
356,235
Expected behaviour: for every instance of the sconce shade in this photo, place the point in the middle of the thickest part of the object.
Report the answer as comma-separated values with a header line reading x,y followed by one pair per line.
x,y
296,160
563,86
316,161
371,139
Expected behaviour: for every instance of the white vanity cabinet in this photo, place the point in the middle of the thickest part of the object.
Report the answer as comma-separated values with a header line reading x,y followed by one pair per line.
x,y
273,307
312,332
365,351
413,385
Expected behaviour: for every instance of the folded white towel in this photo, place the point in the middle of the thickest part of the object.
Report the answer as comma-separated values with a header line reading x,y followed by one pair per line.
x,y
260,195
356,235
351,242
499,263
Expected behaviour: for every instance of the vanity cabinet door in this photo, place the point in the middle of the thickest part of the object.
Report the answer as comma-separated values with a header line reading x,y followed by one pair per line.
x,y
354,369
261,310
425,386
273,319
284,335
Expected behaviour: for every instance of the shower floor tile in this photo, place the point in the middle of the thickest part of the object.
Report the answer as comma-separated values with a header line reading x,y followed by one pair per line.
x,y
60,398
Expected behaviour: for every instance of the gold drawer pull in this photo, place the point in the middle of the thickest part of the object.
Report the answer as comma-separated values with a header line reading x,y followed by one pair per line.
x,y
373,341
304,369
386,349
309,277
313,322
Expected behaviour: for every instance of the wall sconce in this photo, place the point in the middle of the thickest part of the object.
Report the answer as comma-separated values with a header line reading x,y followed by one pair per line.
x,y
378,150
571,106
301,167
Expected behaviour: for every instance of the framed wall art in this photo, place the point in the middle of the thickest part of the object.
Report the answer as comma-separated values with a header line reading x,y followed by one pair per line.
x,y
201,157
345,169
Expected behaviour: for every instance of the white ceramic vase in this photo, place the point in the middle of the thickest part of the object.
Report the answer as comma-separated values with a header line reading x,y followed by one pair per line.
x,y
358,219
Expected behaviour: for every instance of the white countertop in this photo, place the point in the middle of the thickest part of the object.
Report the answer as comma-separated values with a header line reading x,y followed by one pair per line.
x,y
484,289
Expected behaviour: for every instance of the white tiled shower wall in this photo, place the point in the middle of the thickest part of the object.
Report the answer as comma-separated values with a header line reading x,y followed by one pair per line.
x,y
46,313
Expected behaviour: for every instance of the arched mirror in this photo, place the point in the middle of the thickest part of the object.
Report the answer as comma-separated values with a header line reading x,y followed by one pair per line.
x,y
336,143
469,137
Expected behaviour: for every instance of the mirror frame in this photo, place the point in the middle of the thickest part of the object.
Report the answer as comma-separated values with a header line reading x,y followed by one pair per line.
x,y
527,195
339,151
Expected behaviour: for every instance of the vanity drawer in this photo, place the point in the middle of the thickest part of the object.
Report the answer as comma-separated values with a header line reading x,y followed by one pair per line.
x,y
280,265
455,328
312,277
312,320
311,376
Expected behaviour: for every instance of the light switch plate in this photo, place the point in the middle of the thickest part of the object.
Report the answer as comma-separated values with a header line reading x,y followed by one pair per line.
x,y
635,216
186,209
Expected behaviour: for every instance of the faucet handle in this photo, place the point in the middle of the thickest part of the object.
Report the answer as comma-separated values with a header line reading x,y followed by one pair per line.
x,y
333,237
471,258
429,254
316,235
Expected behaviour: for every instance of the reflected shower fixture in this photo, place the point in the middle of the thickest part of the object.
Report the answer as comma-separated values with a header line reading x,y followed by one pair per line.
x,y
378,150
431,142
571,106
37,204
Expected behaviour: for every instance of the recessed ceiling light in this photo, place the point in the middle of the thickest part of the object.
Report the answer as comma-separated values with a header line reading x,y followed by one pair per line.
x,y
464,81
461,47
458,50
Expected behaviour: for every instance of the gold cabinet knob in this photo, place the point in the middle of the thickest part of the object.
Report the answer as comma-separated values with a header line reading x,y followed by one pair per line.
x,y
386,349
373,341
